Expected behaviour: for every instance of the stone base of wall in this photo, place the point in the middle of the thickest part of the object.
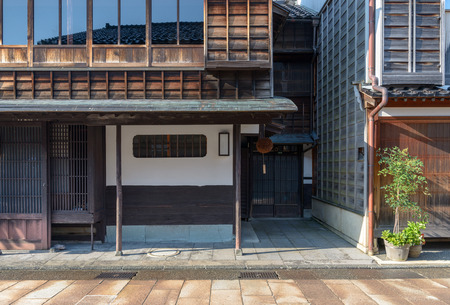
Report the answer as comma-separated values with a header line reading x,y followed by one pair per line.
x,y
169,233
350,226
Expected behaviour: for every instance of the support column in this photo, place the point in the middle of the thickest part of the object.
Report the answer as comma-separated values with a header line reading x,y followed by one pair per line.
x,y
119,190
237,181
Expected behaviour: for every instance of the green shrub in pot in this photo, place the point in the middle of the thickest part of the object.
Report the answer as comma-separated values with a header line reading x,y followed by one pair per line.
x,y
413,233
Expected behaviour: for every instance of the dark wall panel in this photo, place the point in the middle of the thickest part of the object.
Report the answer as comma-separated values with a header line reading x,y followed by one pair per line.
x,y
172,205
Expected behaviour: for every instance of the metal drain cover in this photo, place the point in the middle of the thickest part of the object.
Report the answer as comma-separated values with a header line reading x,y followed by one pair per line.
x,y
163,252
116,275
259,275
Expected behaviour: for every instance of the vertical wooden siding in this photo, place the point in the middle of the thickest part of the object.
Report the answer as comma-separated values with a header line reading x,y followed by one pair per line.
x,y
238,30
276,193
431,143
340,122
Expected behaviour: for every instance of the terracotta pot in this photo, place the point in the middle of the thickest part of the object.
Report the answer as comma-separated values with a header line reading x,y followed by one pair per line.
x,y
414,251
396,253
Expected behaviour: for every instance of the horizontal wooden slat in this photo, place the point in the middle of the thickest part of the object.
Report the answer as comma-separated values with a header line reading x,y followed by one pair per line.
x,y
431,57
395,20
403,32
153,205
402,44
412,78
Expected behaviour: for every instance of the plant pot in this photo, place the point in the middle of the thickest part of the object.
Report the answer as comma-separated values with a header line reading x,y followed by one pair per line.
x,y
414,251
396,253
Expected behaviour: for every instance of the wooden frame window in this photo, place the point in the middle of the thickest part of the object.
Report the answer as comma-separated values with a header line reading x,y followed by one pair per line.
x,y
177,21
169,146
119,22
60,22
13,22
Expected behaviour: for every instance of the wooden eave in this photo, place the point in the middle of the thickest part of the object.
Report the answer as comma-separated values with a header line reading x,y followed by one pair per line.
x,y
160,112
407,98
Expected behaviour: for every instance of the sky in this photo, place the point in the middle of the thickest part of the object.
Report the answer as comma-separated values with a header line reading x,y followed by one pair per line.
x,y
105,11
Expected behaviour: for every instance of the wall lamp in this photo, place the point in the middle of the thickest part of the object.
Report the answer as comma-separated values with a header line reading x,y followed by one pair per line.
x,y
224,143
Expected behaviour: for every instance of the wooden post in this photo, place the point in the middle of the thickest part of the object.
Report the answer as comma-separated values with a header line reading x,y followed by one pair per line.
x,y
237,179
119,190
301,184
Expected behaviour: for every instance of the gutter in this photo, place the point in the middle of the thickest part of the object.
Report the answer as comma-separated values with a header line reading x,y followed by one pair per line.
x,y
371,117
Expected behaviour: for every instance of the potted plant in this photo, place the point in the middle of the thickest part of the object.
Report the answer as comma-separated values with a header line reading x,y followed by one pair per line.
x,y
415,237
407,180
397,246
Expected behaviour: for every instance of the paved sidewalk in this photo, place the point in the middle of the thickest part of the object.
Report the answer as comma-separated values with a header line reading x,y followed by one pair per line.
x,y
267,244
306,287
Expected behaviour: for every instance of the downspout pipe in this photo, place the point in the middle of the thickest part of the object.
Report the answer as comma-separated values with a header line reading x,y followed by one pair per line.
x,y
371,118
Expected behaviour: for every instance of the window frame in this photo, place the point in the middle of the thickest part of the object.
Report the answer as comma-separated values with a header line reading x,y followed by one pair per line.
x,y
2,21
60,22
170,152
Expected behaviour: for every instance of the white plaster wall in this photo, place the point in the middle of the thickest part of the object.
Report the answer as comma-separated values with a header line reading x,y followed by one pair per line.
x,y
421,111
307,166
250,129
351,226
209,170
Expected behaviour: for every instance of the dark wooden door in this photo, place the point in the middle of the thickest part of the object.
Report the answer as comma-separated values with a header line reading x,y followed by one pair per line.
x,y
276,193
24,217
431,143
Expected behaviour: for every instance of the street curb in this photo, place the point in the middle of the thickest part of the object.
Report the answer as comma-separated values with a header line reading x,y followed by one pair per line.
x,y
411,264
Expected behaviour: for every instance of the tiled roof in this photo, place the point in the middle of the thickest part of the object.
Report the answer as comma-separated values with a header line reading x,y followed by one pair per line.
x,y
296,11
162,33
410,92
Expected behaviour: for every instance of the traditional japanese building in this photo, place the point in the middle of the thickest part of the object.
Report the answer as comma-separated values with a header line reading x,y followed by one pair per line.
x,y
381,83
124,118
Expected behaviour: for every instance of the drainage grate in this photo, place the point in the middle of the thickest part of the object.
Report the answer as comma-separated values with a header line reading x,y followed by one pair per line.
x,y
116,275
259,275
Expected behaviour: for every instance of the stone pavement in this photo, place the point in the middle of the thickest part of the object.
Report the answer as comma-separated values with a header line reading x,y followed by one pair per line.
x,y
267,244
306,287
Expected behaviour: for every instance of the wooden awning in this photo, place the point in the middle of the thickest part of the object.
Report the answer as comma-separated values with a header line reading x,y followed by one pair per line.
x,y
292,139
158,111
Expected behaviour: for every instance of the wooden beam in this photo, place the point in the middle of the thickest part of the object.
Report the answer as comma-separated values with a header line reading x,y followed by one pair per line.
x,y
119,195
60,22
89,26
46,208
148,31
118,21
30,34
1,22
227,30
237,181
301,182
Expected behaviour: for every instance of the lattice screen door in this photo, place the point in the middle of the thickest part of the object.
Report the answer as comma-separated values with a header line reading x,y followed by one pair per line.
x,y
68,168
23,209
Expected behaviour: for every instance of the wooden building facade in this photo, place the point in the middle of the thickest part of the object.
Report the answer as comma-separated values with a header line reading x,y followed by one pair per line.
x,y
409,40
107,124
284,189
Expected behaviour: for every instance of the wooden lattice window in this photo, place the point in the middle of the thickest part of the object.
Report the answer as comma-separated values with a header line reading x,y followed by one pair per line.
x,y
20,169
412,42
169,146
68,167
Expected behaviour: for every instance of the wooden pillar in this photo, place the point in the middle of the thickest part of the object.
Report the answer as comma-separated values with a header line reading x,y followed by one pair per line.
x,y
119,190
237,181
301,180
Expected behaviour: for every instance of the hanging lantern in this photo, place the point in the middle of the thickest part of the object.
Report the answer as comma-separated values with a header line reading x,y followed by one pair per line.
x,y
264,146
